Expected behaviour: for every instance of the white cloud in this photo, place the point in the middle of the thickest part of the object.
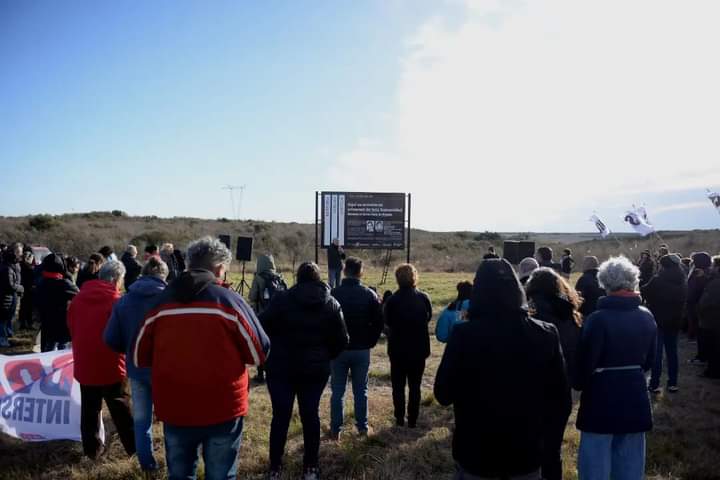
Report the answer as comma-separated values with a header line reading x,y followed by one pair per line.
x,y
526,110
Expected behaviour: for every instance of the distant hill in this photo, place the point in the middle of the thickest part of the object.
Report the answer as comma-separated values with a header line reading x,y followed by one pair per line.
x,y
83,233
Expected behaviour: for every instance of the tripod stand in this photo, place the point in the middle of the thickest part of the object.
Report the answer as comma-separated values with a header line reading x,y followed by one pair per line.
x,y
241,286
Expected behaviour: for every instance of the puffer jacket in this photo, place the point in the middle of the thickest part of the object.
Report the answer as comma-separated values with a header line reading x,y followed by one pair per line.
x,y
306,329
53,294
362,312
407,314
10,283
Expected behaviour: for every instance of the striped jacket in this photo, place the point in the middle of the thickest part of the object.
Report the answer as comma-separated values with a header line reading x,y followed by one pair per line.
x,y
198,340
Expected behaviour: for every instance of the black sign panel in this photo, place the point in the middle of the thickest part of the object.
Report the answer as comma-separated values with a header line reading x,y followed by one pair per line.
x,y
364,220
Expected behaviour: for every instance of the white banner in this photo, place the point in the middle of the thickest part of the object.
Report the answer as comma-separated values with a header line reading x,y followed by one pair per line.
x,y
715,199
600,225
637,219
39,398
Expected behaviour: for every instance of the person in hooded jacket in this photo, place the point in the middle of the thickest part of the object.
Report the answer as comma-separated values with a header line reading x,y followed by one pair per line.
x,y
588,286
407,315
53,295
617,346
307,330
122,329
11,290
197,341
646,266
708,311
696,286
132,266
665,295
99,371
504,374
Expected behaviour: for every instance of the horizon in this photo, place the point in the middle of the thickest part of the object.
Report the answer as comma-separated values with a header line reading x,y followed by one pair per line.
x,y
502,116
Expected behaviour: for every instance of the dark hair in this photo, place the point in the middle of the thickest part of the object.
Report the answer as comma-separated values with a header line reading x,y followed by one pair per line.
x,y
406,275
72,262
546,253
567,251
387,295
353,267
496,291
464,290
151,249
546,282
308,272
106,251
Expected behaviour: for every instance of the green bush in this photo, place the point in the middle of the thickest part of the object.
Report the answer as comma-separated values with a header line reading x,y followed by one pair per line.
x,y
42,222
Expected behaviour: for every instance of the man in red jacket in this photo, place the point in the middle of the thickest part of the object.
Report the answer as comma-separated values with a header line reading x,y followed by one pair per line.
x,y
197,341
99,370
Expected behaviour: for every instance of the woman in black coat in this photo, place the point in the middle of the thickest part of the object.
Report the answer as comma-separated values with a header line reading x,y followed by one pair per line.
x,y
54,293
407,314
306,330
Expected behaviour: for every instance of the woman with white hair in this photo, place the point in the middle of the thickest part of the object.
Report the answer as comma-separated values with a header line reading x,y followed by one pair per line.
x,y
617,346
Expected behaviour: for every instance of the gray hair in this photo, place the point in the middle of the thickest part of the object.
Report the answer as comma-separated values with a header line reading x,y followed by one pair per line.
x,y
208,253
618,273
155,267
112,271
132,250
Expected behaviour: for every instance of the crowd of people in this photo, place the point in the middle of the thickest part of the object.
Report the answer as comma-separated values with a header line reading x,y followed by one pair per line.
x,y
518,341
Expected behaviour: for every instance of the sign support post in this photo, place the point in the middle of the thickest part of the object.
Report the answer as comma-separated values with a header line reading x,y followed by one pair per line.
x,y
409,208
317,239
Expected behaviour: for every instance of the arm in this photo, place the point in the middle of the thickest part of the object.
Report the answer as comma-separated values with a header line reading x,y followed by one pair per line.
x,y
428,307
145,342
252,339
113,334
650,357
558,400
337,338
254,294
376,318
589,349
446,377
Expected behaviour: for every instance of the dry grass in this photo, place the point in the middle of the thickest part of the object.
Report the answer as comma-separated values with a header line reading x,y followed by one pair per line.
x,y
685,443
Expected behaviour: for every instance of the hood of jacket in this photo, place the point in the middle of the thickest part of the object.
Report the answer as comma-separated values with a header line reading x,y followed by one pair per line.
x,y
53,264
147,286
672,274
265,263
552,306
310,294
191,283
496,291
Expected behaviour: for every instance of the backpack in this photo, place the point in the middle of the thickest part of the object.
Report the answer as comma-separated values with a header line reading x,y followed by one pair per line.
x,y
274,283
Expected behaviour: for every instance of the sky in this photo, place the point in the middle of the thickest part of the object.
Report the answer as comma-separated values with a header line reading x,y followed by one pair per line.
x,y
502,115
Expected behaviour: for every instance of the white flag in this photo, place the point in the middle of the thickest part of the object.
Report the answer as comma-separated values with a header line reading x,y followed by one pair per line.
x,y
715,199
600,225
637,218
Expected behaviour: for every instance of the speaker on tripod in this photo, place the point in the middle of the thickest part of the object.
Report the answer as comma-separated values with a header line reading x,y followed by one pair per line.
x,y
243,253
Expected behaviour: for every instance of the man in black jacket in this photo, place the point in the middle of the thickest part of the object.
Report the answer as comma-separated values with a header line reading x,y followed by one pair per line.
x,y
335,257
363,316
10,289
132,266
504,373
54,294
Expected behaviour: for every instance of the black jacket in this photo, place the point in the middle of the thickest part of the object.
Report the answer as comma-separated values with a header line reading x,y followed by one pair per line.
x,y
306,329
589,289
407,314
10,283
559,312
505,376
335,257
708,308
362,312
132,269
84,275
52,296
647,270
665,295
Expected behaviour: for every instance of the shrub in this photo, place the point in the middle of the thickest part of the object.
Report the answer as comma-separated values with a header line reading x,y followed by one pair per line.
x,y
42,223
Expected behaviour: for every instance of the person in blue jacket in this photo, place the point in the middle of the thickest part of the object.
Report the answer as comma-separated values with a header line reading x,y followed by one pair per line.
x,y
454,313
122,328
617,346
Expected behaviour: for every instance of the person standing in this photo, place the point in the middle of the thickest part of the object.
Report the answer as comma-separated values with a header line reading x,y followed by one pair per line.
x,y
647,267
364,320
266,283
132,266
567,263
11,290
504,374
708,311
122,328
696,286
407,314
588,286
53,296
665,295
525,268
27,279
544,257
307,331
197,341
167,254
335,257
617,346
99,371
90,271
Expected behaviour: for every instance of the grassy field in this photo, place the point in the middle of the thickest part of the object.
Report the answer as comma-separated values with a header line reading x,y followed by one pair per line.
x,y
685,443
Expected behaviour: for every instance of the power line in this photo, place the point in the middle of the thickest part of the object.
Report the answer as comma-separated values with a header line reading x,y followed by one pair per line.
x,y
236,209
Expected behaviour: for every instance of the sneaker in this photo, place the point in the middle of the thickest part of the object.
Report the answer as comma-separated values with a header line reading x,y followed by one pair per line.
x,y
673,389
655,390
311,473
697,362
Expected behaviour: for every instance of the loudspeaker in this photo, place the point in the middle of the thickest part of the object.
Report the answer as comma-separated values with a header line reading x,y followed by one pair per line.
x,y
226,240
244,249
526,249
511,251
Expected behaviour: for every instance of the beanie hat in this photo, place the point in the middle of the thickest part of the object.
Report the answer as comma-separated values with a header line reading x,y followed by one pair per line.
x,y
590,262
527,266
701,259
669,261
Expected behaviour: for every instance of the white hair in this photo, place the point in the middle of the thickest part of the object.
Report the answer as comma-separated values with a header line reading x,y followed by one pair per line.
x,y
618,273
208,253
132,250
112,271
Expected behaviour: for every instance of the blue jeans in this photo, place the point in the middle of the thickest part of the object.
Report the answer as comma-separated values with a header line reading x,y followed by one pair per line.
x,y
334,277
358,363
220,445
670,342
142,409
620,457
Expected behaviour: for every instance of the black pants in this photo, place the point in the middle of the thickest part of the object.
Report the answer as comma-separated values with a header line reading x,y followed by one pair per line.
x,y
118,402
282,395
704,338
408,372
26,311
713,353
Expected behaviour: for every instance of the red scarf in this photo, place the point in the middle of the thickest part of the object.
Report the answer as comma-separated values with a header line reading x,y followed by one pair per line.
x,y
625,294
53,275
